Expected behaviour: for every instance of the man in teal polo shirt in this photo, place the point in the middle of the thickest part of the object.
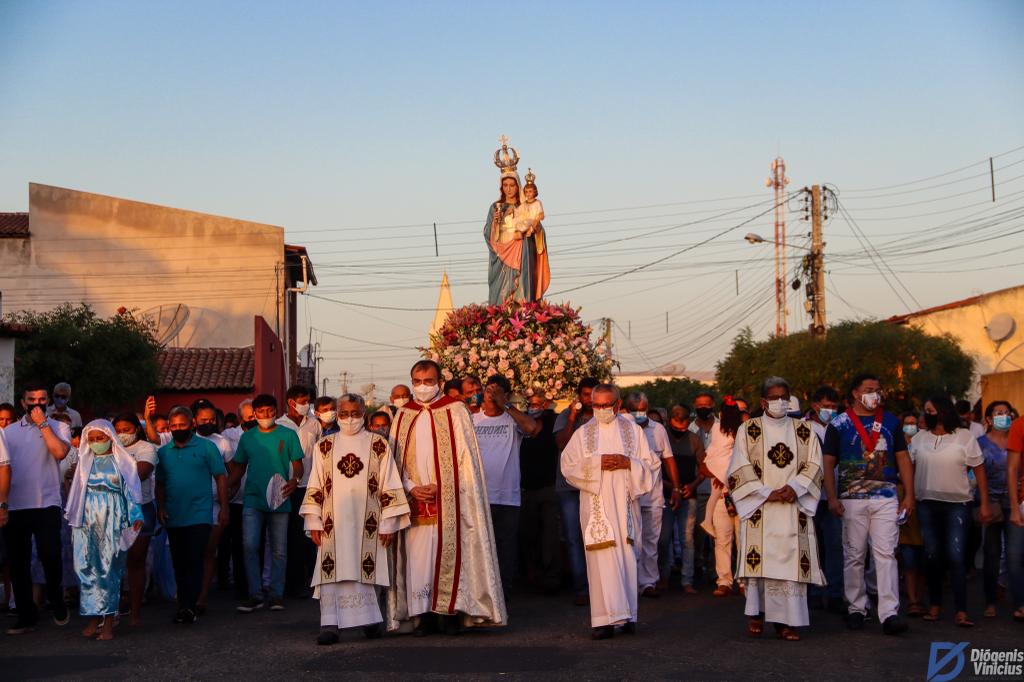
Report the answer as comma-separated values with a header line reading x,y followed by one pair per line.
x,y
263,452
185,466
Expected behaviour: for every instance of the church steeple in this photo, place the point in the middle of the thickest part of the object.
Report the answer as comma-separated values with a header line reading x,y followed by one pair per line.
x,y
444,305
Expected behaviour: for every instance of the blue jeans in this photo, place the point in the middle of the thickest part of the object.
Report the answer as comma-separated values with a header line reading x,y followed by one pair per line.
x,y
682,521
569,502
829,529
944,530
253,523
1015,562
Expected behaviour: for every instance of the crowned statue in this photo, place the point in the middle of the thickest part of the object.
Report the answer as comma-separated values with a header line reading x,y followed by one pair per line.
x,y
514,234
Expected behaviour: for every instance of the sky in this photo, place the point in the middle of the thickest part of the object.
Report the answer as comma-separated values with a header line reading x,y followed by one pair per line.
x,y
651,128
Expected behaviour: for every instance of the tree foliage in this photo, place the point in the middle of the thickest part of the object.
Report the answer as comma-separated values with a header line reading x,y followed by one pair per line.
x,y
911,364
669,392
110,363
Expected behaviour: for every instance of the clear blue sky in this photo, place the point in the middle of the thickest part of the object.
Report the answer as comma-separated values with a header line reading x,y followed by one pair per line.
x,y
342,121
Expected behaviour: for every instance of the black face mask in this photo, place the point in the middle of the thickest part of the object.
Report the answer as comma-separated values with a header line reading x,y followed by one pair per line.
x,y
181,435
931,421
206,429
251,424
704,413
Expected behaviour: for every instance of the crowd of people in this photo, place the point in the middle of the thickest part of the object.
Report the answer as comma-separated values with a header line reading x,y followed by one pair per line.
x,y
430,513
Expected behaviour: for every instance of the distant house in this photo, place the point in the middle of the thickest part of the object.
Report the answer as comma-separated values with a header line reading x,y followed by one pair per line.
x,y
201,279
988,328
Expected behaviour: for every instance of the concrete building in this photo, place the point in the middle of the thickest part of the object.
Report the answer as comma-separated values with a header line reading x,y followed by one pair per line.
x,y
201,279
988,328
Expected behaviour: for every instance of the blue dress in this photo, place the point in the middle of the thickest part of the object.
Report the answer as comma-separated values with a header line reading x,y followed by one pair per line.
x,y
99,560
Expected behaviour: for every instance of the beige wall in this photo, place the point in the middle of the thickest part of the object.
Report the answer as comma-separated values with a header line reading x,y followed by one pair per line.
x,y
112,252
967,324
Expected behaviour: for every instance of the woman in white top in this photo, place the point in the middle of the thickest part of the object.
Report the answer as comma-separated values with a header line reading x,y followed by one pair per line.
x,y
942,457
132,436
719,522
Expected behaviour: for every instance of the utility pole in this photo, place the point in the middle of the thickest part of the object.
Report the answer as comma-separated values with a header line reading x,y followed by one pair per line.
x,y
344,382
816,287
778,181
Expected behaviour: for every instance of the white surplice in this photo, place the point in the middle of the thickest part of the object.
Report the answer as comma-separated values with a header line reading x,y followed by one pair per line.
x,y
610,512
778,552
354,495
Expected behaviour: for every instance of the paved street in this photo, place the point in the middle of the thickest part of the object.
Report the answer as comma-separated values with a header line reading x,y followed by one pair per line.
x,y
679,638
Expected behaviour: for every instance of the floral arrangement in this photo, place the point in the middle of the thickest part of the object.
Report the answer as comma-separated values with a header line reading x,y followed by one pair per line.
x,y
539,347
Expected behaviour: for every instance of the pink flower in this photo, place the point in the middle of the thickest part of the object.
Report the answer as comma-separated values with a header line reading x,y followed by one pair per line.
x,y
510,374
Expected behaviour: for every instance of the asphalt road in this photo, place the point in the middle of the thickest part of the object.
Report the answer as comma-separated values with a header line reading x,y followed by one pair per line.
x,y
679,637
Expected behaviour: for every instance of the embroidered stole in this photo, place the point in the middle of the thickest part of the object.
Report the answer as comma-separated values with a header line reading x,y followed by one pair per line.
x,y
598,534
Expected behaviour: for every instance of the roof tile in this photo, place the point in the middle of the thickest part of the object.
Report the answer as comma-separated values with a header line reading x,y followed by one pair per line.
x,y
206,369
13,225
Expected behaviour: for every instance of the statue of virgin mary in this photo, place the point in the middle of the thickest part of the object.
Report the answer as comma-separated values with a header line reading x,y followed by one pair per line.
x,y
518,267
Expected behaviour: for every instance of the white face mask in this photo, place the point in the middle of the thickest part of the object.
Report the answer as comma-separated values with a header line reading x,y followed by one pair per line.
x,y
604,415
870,400
265,423
425,393
778,408
400,402
127,438
350,426
328,417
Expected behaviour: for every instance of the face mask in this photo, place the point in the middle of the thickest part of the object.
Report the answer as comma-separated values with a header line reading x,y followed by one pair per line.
x,y
400,402
604,415
351,426
60,402
127,439
328,417
425,393
267,423
475,400
910,430
1001,422
705,413
640,418
181,435
870,400
825,414
301,408
251,424
101,448
534,413
206,430
931,421
778,408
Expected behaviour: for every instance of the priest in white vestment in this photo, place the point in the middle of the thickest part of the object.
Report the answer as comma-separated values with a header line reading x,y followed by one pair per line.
x,y
354,505
775,483
446,564
606,459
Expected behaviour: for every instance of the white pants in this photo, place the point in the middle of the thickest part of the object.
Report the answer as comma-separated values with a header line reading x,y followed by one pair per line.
x,y
871,522
726,528
647,554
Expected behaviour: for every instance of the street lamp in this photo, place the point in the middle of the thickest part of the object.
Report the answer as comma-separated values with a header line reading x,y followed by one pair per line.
x,y
758,239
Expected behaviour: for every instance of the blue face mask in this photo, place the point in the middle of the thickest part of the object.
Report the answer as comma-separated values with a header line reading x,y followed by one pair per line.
x,y
640,418
1001,422
910,430
826,415
60,402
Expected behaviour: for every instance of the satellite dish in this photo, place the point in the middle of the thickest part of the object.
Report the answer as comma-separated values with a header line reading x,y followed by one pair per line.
x,y
306,358
169,320
1001,327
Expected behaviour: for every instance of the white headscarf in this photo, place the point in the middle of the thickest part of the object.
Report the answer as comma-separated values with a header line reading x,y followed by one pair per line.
x,y
131,486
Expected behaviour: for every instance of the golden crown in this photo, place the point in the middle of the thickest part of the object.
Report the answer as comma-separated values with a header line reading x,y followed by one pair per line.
x,y
530,177
506,158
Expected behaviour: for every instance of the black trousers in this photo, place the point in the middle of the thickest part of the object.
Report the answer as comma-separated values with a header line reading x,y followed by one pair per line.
x,y
539,536
188,549
301,551
505,519
22,526
231,556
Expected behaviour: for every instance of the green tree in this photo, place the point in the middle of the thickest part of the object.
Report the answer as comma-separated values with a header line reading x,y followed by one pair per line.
x,y
910,363
669,392
110,363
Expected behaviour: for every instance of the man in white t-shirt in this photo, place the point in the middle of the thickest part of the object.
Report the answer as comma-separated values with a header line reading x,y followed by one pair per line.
x,y
35,446
500,429
61,398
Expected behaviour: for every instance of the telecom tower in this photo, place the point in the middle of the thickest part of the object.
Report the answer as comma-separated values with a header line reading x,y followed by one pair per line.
x,y
778,182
